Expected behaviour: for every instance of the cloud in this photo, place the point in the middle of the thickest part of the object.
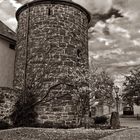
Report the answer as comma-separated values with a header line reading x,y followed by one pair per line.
x,y
106,55
15,4
136,42
127,63
7,14
119,79
107,42
12,23
96,6
1,1
23,1
121,31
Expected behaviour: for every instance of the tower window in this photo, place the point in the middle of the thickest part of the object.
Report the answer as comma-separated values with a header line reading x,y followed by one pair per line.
x,y
49,12
78,53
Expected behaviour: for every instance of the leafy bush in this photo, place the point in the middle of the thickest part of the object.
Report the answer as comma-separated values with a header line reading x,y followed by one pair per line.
x,y
24,114
47,124
101,120
4,125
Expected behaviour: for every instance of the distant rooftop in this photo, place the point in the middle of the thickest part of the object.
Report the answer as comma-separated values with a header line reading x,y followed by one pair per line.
x,y
7,33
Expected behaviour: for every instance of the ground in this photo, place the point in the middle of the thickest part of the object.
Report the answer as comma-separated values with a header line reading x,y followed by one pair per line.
x,y
131,131
130,122
130,134
54,134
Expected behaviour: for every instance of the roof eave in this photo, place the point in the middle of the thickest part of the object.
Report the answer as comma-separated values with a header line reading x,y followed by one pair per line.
x,y
12,41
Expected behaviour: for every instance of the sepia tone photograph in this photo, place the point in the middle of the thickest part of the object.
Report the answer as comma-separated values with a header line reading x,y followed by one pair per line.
x,y
69,70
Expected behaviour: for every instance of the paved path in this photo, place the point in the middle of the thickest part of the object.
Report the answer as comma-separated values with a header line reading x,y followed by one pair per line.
x,y
130,134
130,122
133,132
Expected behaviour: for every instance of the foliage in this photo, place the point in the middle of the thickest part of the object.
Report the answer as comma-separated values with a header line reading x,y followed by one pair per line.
x,y
80,91
24,113
131,92
102,86
100,120
4,125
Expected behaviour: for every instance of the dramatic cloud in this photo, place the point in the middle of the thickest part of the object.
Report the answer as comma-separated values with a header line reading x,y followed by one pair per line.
x,y
120,34
96,6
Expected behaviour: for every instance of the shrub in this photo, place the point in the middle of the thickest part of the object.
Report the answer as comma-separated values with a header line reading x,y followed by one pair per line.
x,y
47,124
101,120
24,114
4,125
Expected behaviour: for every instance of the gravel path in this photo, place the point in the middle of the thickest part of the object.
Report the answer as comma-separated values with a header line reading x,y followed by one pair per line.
x,y
130,134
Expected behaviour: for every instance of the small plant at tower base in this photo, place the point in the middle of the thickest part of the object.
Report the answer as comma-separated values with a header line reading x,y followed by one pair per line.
x,y
101,120
24,114
4,125
131,91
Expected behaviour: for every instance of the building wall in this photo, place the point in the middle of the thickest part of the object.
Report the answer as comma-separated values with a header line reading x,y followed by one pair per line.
x,y
103,110
7,57
136,109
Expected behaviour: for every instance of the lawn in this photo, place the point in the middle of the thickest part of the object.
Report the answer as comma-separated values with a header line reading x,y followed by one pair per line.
x,y
53,134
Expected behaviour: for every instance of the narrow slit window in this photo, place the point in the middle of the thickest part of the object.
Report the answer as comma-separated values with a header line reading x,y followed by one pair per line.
x,y
78,52
49,11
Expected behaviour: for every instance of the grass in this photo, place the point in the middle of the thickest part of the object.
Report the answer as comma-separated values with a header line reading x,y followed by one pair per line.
x,y
129,134
53,134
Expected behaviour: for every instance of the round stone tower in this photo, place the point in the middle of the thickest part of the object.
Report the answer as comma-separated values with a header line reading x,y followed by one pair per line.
x,y
52,47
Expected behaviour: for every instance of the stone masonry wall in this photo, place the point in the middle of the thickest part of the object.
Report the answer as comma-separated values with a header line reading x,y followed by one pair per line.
x,y
8,99
52,43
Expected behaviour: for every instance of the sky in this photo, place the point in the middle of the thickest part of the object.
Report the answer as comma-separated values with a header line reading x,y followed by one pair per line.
x,y
114,44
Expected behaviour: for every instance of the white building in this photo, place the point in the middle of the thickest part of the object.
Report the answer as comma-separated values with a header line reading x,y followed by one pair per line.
x,y
7,55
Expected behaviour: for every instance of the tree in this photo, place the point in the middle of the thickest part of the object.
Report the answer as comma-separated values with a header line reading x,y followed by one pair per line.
x,y
24,113
102,86
131,92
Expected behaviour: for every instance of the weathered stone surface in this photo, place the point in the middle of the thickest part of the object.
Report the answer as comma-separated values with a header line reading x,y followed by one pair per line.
x,y
8,99
49,37
115,121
